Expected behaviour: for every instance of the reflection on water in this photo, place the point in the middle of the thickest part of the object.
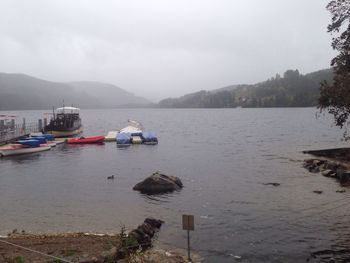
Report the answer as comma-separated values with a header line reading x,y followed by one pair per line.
x,y
224,158
159,199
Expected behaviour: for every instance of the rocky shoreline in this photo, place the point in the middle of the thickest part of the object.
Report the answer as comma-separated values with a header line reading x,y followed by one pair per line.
x,y
334,163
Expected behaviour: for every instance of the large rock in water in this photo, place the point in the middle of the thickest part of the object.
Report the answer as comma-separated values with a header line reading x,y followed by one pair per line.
x,y
159,183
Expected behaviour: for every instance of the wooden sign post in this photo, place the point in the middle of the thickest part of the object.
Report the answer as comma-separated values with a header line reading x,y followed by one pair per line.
x,y
188,224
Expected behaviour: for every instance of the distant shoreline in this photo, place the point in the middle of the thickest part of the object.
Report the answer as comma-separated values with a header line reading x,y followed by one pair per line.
x,y
183,108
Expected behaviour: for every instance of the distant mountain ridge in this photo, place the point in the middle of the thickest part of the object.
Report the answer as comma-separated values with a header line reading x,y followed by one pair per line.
x,y
23,92
291,90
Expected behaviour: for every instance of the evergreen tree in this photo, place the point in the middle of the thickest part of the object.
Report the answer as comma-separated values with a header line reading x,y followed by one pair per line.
x,y
335,97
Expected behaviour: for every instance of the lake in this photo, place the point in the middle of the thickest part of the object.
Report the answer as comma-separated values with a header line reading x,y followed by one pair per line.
x,y
223,157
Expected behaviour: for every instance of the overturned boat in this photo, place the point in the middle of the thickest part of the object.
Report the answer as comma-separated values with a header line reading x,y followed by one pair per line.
x,y
123,140
149,138
134,128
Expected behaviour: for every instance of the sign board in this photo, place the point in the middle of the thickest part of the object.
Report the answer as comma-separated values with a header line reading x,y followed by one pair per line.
x,y
188,222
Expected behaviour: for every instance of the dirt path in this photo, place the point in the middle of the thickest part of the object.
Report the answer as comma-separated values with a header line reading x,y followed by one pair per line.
x,y
82,248
76,247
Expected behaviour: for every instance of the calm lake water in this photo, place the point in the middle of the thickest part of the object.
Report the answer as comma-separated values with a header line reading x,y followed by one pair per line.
x,y
223,157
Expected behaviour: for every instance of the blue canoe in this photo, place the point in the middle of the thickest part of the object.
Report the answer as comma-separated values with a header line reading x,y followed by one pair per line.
x,y
48,137
41,139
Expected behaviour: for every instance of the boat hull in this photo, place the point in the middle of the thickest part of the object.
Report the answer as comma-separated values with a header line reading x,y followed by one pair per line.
x,y
150,143
11,151
91,140
60,134
123,145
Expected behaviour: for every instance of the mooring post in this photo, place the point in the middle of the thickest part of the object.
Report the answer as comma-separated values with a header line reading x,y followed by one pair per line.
x,y
40,124
188,246
24,126
2,125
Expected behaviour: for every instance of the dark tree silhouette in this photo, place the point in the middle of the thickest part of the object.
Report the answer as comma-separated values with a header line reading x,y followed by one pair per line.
x,y
335,96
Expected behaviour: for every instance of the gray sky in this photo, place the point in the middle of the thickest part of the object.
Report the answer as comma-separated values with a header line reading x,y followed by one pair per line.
x,y
162,48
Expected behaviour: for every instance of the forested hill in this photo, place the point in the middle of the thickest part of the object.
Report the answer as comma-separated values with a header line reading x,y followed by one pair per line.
x,y
290,90
23,92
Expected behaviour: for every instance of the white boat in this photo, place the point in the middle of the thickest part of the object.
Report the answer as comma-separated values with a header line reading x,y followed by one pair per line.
x,y
111,136
66,122
59,141
134,128
17,149
49,143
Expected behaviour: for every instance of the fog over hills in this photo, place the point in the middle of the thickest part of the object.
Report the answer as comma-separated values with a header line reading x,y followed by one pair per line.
x,y
23,92
108,94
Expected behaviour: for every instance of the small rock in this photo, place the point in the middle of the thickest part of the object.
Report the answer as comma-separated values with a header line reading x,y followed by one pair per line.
x,y
142,238
308,161
147,228
155,223
341,191
110,254
121,253
318,162
327,173
274,184
314,169
333,166
318,192
94,259
344,177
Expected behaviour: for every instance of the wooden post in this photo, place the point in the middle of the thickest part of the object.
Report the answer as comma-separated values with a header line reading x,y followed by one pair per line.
x,y
188,224
188,246
2,125
24,126
40,124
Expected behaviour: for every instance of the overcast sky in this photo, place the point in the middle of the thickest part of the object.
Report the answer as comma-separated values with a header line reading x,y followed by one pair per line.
x,y
162,48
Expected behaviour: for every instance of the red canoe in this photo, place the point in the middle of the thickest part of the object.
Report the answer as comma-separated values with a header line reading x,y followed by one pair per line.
x,y
82,140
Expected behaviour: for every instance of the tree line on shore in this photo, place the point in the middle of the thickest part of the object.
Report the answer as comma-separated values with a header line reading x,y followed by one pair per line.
x,y
290,90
